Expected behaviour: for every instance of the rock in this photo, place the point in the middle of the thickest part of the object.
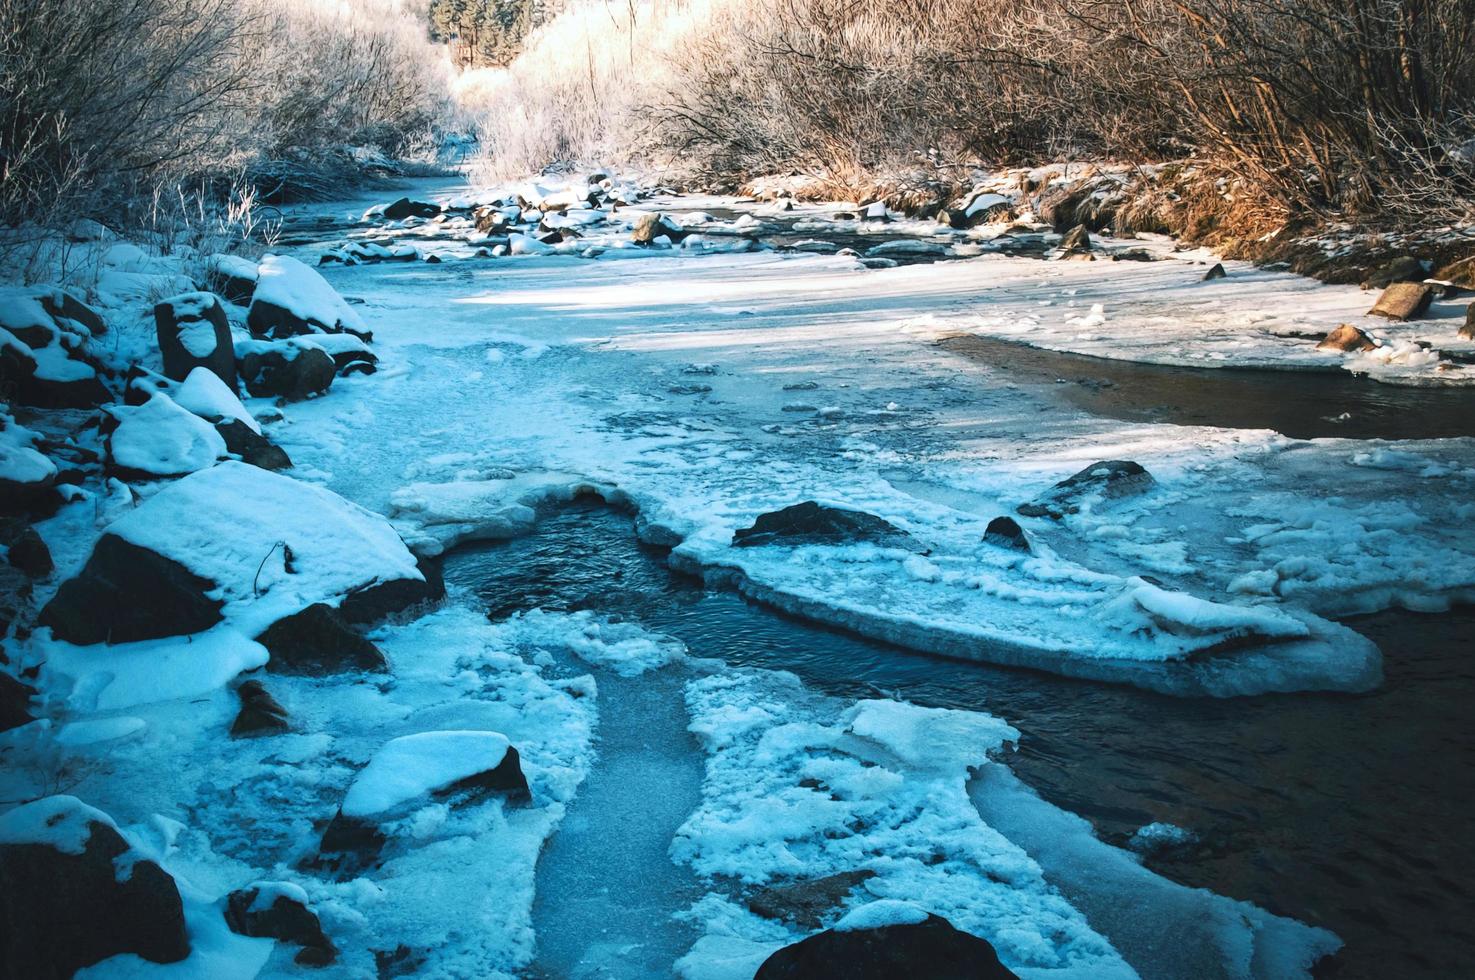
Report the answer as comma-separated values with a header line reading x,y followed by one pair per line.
x,y
1077,241
26,384
16,590
15,704
293,299
980,208
1460,272
64,306
806,903
286,371
68,900
1468,330
1405,268
1217,272
259,712
30,554
649,227
406,208
317,641
126,593
375,602
1403,301
158,439
1347,338
193,332
231,277
1110,479
278,911
253,447
931,948
1005,532
812,523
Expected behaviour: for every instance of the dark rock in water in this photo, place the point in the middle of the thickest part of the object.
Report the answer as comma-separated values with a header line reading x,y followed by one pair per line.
x,y
406,208
932,949
1110,479
285,919
15,702
60,912
1005,532
1467,332
193,332
806,903
293,374
126,593
1134,255
253,447
349,845
371,604
1347,338
259,712
1405,268
649,227
1403,301
30,554
1217,272
813,523
317,641
505,779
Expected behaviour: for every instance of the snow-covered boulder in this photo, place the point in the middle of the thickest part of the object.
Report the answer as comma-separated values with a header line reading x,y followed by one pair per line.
x,y
406,208
193,332
884,940
980,207
160,439
279,910
293,369
232,277
318,641
43,349
238,542
459,768
26,474
291,298
650,228
76,894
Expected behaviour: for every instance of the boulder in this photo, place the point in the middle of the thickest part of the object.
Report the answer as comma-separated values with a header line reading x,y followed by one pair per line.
x,y
929,948
317,641
1405,268
1110,479
251,446
16,590
1467,332
15,702
193,332
1077,241
1347,338
812,523
1217,272
260,713
1460,273
1005,532
286,370
69,902
980,208
28,552
372,603
292,299
807,903
1403,301
64,380
64,306
232,277
27,476
406,208
158,439
277,910
649,227
126,592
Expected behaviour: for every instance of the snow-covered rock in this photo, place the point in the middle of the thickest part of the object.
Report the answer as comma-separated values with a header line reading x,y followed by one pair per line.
x,y
160,438
193,332
292,298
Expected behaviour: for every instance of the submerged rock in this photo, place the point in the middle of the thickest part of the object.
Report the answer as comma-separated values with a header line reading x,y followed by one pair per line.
x,y
812,523
69,901
1217,272
277,910
1110,479
901,945
1347,338
317,641
260,712
126,592
806,903
1403,301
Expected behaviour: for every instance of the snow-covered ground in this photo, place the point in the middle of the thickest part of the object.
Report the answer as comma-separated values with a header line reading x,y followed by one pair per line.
x,y
705,385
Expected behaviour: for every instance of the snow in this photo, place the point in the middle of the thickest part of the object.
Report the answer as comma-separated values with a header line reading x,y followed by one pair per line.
x,y
61,822
237,266
20,462
297,288
410,767
228,524
163,439
127,675
879,915
204,394
627,648
99,730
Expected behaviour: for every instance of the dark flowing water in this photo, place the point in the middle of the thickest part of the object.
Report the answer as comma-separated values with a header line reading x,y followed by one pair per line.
x,y
1351,812
1299,404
